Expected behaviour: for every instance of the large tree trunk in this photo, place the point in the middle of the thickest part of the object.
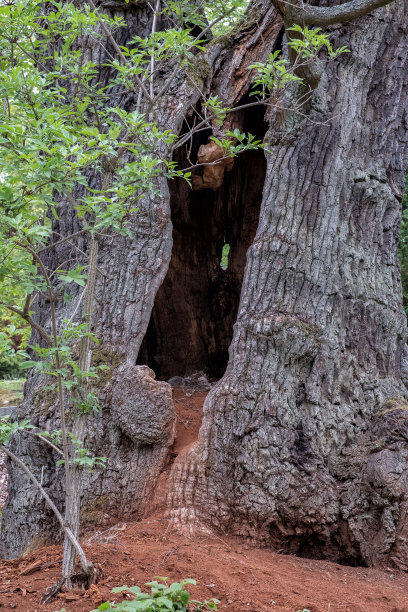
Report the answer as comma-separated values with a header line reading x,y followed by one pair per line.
x,y
304,439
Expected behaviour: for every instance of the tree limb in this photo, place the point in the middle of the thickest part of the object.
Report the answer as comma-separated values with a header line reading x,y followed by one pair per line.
x,y
55,244
31,322
324,16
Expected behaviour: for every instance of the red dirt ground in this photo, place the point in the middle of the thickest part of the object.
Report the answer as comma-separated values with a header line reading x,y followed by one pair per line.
x,y
243,578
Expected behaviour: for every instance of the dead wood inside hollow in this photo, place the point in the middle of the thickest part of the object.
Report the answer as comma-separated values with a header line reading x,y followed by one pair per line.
x,y
195,309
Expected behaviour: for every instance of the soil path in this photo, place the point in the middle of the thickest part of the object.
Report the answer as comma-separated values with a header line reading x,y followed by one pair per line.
x,y
242,577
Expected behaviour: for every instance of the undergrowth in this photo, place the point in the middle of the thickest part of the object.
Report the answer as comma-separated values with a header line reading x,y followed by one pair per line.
x,y
162,598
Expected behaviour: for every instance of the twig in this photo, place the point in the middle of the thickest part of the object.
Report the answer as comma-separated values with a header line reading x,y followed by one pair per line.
x,y
38,435
55,244
31,322
152,55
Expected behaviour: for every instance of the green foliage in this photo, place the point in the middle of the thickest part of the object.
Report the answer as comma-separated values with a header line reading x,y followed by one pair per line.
x,y
216,109
11,364
82,457
9,428
310,41
236,142
225,256
273,76
162,598
232,11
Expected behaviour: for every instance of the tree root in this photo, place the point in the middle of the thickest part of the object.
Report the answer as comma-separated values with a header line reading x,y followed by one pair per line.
x,y
79,580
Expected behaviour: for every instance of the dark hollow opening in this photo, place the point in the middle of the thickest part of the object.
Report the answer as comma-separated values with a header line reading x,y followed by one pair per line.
x,y
195,309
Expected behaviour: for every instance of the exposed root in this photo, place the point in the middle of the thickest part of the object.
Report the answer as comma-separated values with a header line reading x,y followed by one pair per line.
x,y
79,580
52,591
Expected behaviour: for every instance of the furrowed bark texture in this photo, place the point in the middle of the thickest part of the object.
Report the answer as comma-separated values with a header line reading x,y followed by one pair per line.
x,y
304,440
303,443
135,438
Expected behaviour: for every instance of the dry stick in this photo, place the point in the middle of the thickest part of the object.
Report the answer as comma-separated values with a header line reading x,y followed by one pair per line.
x,y
55,244
38,435
152,55
66,529
53,446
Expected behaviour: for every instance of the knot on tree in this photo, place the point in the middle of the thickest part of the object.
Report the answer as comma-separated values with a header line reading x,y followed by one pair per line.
x,y
217,163
142,407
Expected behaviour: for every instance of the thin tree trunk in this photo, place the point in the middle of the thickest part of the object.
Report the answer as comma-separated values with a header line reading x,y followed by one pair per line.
x,y
73,500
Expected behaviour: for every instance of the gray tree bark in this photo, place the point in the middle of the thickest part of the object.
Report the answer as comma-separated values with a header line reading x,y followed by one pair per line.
x,y
137,445
304,439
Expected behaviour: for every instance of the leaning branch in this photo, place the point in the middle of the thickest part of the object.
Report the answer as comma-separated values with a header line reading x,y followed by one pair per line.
x,y
85,565
55,244
324,16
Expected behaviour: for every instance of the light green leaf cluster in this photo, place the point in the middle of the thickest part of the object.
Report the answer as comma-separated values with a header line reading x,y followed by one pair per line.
x,y
308,43
216,109
162,598
232,11
82,456
236,142
9,428
52,141
225,256
273,76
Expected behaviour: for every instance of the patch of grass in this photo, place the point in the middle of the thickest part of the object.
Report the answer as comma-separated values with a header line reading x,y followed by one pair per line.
x,y
11,391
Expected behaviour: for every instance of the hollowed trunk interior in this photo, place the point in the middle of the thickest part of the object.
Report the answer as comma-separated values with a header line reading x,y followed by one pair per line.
x,y
195,308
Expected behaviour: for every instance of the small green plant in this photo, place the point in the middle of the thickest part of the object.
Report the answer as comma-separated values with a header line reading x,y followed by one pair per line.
x,y
162,598
225,256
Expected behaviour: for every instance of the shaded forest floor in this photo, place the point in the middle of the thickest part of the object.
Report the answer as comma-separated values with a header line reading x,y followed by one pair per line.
x,y
242,577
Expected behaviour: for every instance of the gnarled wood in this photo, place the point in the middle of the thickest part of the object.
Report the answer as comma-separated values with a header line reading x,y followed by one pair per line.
x,y
303,443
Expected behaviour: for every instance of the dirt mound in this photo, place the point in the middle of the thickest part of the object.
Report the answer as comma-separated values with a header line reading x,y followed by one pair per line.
x,y
189,412
242,577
